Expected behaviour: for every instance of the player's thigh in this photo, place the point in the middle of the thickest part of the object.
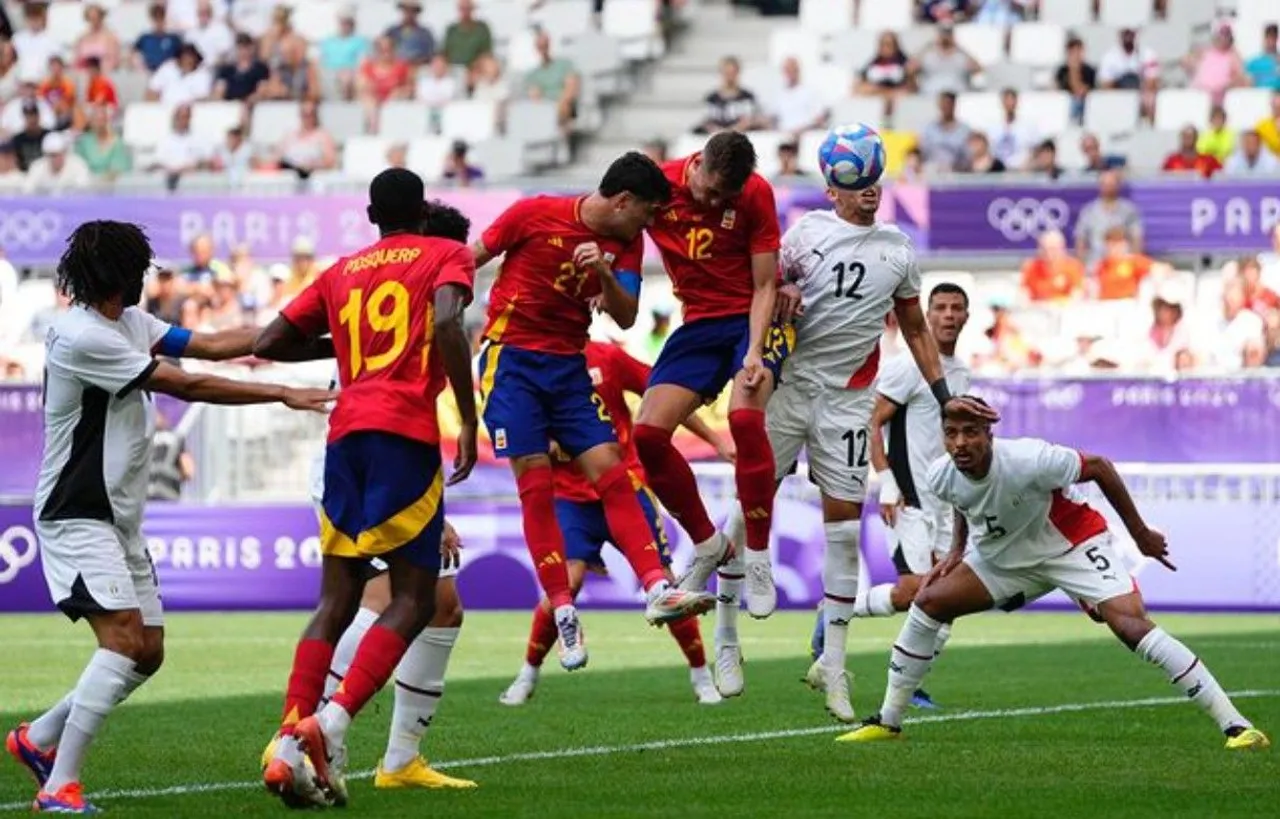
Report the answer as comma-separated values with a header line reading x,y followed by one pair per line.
x,y
578,419
959,593
512,403
1092,573
402,499
787,424
778,343
377,588
913,540
86,568
699,358
585,531
146,583
837,444
1004,589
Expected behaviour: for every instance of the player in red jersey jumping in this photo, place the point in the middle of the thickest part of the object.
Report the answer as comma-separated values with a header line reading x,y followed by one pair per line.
x,y
562,254
582,520
719,239
394,311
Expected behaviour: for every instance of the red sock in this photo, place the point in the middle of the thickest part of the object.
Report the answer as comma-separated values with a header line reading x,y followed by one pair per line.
x,y
542,636
755,474
542,533
672,481
689,636
376,659
306,682
630,529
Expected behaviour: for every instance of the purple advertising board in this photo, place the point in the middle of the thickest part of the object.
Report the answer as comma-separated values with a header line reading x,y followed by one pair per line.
x,y
267,557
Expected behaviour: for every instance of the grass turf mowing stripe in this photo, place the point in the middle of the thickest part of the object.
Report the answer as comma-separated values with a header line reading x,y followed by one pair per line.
x,y
686,742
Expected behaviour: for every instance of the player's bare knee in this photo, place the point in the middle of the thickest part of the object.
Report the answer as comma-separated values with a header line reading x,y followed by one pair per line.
x,y
447,615
122,634
933,604
152,654
904,591
526,463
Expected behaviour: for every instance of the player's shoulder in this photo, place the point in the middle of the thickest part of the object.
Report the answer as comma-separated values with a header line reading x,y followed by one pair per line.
x,y
78,330
939,474
891,236
1021,452
674,170
758,189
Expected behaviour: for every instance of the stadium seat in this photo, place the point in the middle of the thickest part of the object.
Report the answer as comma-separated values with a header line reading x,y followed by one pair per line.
x,y
404,120
869,110
509,18
273,120
1191,13
1049,110
913,113
811,141
1067,13
1125,13
1176,107
364,157
984,43
1146,150
270,183
1111,112
825,16
980,110
915,39
763,80
566,19
833,83
879,15
502,159
1037,44
1171,41
522,53
375,16
205,183
131,86
342,119
635,26
529,122
140,184
1010,75
1067,141
128,21
146,123
211,120
1246,106
315,20
766,144
852,47
597,59
474,120
686,144
66,23
1098,40
805,46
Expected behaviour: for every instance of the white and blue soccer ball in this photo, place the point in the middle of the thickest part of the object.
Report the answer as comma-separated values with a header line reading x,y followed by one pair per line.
x,y
852,157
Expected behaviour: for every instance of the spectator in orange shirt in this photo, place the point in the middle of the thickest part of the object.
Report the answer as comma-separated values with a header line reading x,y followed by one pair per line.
x,y
59,90
1121,270
1054,274
100,90
1189,160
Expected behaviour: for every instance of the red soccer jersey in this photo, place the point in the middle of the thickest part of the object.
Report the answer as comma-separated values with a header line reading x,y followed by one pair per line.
x,y
707,253
379,305
614,374
541,300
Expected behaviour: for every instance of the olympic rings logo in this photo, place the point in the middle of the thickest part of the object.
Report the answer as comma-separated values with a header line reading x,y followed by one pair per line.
x,y
1022,219
33,230
17,551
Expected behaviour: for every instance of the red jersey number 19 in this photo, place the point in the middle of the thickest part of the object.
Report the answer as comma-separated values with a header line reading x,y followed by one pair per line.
x,y
386,311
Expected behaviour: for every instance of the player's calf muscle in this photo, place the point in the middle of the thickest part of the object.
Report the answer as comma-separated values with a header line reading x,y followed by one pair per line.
x,y
121,632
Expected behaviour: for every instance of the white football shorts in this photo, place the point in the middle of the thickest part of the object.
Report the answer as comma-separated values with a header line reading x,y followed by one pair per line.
x,y
1091,573
92,567
920,537
831,427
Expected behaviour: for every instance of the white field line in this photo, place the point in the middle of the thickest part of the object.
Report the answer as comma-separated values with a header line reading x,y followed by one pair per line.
x,y
686,742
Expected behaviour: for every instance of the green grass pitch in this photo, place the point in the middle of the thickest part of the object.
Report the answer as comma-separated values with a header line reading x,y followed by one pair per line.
x,y
1044,714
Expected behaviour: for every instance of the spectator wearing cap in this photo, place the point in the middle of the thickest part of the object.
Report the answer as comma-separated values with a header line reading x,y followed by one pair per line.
x,y
1129,66
294,76
14,116
156,47
729,105
181,81
102,149
944,143
437,86
1076,76
310,148
1250,159
1217,69
302,265
1168,333
29,142
413,41
944,65
1053,275
180,151
1264,69
12,179
467,38
341,53
34,44
210,34
58,170
797,107
99,89
553,79
59,91
789,163
1095,161
99,42
1188,158
241,78
234,157
457,170
1099,216
1121,271
1218,141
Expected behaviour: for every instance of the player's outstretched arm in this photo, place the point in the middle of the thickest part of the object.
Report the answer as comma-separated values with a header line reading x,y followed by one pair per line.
x,y
282,341
1099,470
239,343
212,389
924,349
455,352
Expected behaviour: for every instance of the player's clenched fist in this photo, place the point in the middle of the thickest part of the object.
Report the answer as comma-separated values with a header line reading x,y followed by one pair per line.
x,y
1152,543
589,254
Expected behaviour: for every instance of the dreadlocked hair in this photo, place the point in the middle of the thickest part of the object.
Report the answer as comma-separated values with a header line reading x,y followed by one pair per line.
x,y
103,259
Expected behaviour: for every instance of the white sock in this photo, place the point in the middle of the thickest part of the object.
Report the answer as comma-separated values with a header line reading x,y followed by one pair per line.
x,y
46,729
419,689
1187,672
944,634
345,651
101,687
840,589
729,600
334,722
877,601
909,661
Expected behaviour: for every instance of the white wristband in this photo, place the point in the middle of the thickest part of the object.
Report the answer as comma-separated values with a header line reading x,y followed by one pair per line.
x,y
889,492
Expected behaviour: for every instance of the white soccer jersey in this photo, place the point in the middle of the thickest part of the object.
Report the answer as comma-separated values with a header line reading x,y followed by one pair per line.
x,y
1022,513
850,277
98,423
915,430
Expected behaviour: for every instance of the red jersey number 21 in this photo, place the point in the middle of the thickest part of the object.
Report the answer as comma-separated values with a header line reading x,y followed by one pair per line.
x,y
386,310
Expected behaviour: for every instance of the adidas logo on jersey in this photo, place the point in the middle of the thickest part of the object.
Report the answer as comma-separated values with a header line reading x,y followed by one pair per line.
x,y
556,241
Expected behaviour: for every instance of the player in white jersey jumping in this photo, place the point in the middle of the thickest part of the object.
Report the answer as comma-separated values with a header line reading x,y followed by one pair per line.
x,y
851,271
1028,532
100,369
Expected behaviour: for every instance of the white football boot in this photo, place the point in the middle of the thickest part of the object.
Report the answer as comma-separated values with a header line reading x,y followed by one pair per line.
x,y
521,689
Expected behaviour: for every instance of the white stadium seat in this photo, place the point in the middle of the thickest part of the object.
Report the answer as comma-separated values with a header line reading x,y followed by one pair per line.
x,y
1049,110
867,110
364,157
315,20
788,42
1176,107
566,19
529,122
471,120
211,120
913,113
1171,41
128,21
522,53
1146,150
1125,13
427,156
852,47
404,120
1246,106
833,83
764,80
373,17
509,17
879,15
273,120
766,144
66,23
686,144
826,16
342,119
1067,13
146,123
1037,44
635,26
1111,112
984,43
980,110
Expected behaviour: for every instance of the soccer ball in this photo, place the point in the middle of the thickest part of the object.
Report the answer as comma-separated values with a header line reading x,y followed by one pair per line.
x,y
852,157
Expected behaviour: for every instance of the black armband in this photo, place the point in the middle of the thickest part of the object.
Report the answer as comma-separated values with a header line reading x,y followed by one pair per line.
x,y
941,391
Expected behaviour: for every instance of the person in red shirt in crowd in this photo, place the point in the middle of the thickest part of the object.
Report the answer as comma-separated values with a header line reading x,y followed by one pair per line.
x,y
1257,297
1121,271
383,76
582,520
1054,274
1189,160
100,90
59,90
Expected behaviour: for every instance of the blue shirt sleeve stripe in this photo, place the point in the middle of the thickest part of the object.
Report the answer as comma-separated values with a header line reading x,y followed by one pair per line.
x,y
630,282
174,343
